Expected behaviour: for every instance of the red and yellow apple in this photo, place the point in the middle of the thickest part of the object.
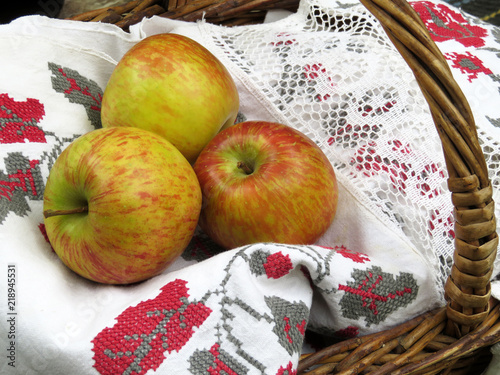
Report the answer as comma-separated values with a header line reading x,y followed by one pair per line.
x,y
265,182
173,86
120,205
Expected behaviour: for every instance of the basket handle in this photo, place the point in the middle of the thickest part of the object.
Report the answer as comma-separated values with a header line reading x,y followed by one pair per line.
x,y
467,289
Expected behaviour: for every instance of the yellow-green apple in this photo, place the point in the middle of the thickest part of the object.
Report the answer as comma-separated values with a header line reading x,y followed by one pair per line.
x,y
120,205
173,86
265,182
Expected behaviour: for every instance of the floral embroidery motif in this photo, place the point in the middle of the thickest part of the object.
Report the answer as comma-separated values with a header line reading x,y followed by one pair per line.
x,y
79,90
19,120
468,64
215,361
144,333
445,24
273,265
19,123
22,180
290,322
375,294
277,265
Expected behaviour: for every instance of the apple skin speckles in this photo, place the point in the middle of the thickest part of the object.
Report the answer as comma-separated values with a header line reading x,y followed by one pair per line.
x,y
289,196
143,199
173,86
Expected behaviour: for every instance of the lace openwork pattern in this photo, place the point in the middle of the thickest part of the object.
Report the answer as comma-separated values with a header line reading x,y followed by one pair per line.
x,y
340,80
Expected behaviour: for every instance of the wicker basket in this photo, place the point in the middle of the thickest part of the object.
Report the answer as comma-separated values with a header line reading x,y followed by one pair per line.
x,y
454,339
220,12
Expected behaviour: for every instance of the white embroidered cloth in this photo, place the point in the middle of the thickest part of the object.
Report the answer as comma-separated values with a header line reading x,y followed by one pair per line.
x,y
251,310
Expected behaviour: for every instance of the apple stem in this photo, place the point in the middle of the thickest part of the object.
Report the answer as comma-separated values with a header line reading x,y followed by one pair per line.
x,y
78,210
245,167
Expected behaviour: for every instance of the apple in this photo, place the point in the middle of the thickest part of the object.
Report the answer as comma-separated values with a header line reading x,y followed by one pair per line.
x,y
120,205
173,86
265,182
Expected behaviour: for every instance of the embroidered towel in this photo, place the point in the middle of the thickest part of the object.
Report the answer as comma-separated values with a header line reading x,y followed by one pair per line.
x,y
255,309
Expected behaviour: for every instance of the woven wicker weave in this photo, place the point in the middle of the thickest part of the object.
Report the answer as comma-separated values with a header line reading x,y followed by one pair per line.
x,y
456,338
221,12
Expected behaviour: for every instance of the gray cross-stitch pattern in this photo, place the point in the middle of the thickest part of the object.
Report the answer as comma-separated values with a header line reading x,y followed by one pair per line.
x,y
79,90
375,294
203,360
290,322
257,260
26,182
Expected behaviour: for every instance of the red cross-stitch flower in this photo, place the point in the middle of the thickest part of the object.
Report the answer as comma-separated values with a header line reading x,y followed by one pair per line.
x,y
445,24
143,333
19,119
468,64
277,265
288,370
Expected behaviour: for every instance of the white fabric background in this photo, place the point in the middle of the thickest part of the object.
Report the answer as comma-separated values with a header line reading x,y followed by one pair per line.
x,y
59,313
